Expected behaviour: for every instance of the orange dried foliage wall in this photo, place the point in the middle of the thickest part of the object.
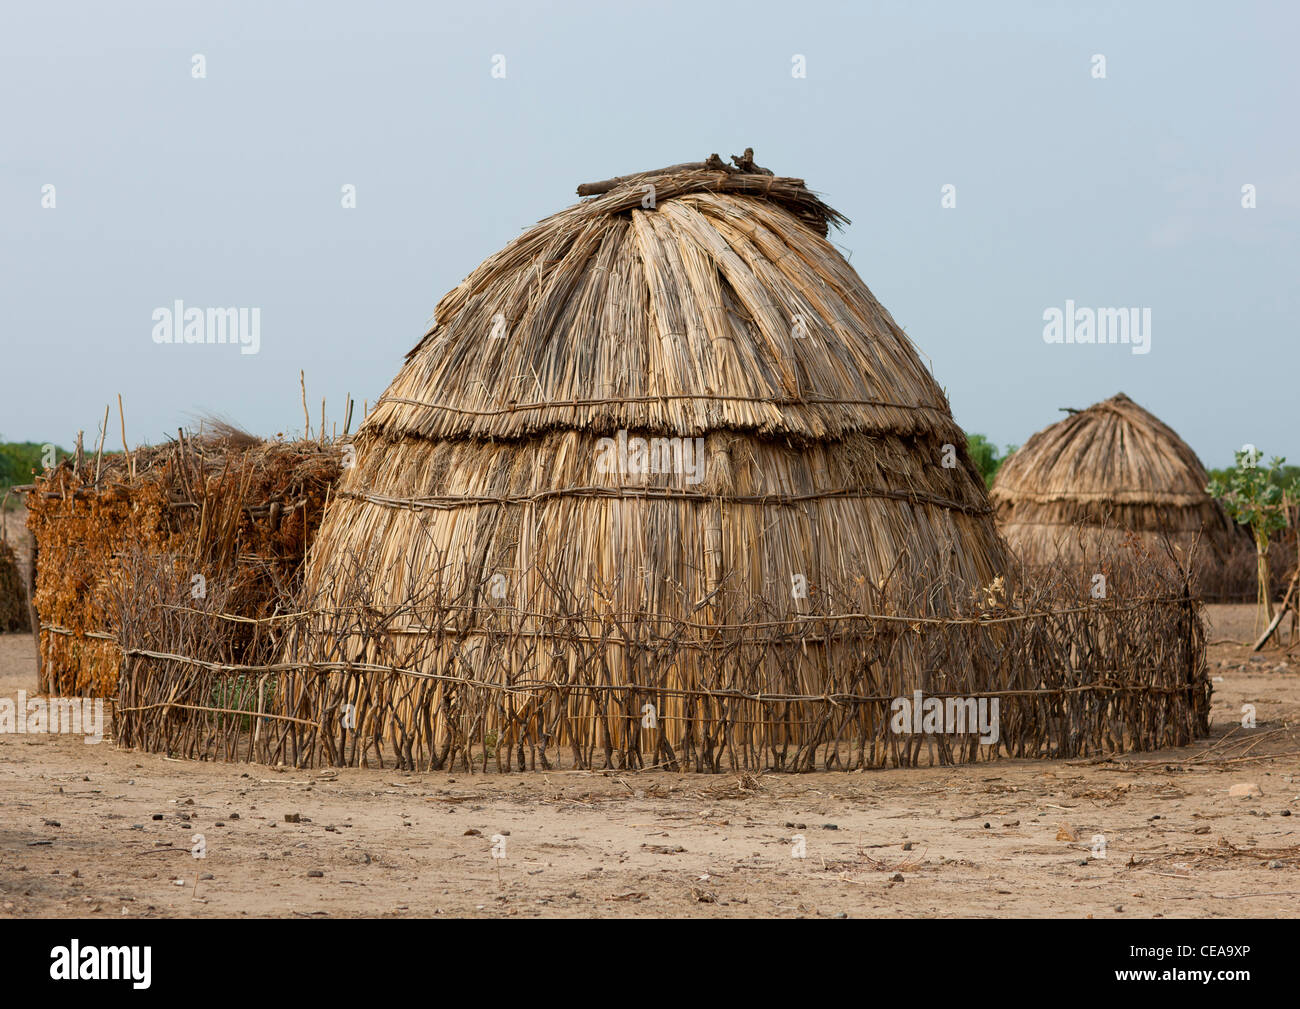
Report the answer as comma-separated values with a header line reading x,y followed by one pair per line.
x,y
242,517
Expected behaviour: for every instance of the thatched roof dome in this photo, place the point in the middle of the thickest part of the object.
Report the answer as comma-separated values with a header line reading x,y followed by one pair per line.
x,y
724,313
1100,474
502,466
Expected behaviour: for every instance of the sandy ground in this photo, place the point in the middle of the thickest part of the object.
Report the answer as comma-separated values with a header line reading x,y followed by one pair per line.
x,y
96,831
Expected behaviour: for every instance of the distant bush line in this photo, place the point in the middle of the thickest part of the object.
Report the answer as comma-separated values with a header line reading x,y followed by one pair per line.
x,y
18,461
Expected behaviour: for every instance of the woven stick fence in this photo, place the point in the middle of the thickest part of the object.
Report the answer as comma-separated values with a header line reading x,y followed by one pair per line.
x,y
456,682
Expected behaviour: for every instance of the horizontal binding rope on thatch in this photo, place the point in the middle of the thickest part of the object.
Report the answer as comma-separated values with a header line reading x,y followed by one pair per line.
x,y
447,502
714,636
659,398
1113,497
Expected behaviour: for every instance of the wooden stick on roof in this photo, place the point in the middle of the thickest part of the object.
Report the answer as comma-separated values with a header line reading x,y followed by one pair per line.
x,y
713,163
604,186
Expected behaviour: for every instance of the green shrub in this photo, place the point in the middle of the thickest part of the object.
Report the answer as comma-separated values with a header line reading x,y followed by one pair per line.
x,y
985,456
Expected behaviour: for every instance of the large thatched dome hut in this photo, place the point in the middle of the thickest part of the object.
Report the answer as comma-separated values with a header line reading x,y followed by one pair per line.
x,y
1105,475
639,444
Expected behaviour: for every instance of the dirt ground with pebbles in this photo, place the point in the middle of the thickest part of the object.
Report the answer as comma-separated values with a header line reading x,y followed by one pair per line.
x,y
96,831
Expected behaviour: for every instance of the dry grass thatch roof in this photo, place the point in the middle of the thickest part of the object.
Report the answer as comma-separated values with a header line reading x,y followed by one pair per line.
x,y
717,310
1110,470
678,319
722,312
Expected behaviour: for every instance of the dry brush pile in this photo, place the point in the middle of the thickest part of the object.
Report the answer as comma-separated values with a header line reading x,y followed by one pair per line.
x,y
226,509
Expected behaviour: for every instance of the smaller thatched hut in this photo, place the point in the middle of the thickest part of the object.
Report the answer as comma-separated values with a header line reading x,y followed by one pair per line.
x,y
1107,475
225,511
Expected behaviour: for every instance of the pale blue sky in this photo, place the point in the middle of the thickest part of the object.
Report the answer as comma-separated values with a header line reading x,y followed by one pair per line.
x,y
1122,192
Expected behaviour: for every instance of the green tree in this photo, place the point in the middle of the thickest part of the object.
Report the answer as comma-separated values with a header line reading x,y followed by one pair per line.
x,y
985,456
1256,497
